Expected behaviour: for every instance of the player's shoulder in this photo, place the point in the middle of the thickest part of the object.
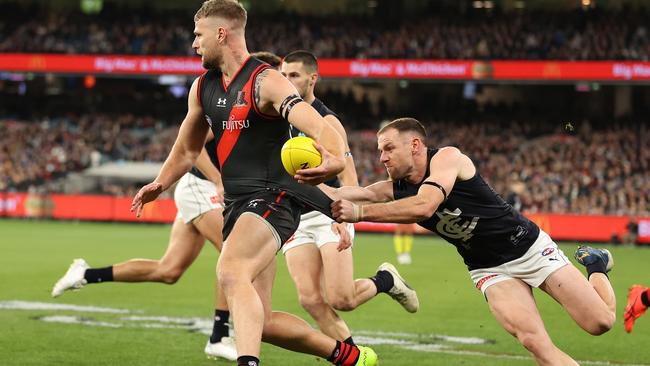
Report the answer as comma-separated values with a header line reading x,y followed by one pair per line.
x,y
449,151
323,108
269,80
451,156
445,154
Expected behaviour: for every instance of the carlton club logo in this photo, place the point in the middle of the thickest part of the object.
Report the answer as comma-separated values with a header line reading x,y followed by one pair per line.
x,y
453,226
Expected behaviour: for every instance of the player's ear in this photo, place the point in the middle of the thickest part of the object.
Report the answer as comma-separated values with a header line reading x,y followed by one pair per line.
x,y
415,145
222,33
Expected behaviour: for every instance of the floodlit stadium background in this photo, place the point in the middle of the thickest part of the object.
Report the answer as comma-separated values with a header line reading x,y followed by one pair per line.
x,y
550,98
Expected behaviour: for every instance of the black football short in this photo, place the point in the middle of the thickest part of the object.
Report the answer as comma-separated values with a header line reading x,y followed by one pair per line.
x,y
278,208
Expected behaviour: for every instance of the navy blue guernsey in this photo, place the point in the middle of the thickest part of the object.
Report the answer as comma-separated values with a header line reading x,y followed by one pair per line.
x,y
485,229
211,148
323,110
248,142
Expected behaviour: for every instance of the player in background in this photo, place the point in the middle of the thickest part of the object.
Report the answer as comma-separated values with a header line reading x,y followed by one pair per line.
x,y
199,200
403,242
269,57
507,254
248,105
322,274
638,301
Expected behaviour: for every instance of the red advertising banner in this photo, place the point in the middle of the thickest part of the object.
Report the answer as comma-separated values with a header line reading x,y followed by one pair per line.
x,y
101,64
344,68
83,207
109,208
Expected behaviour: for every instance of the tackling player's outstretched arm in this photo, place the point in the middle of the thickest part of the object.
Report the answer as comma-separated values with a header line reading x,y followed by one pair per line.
x,y
446,166
186,149
274,93
376,192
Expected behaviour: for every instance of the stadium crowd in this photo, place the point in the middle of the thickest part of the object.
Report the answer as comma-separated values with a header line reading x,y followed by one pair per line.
x,y
537,167
574,35
38,152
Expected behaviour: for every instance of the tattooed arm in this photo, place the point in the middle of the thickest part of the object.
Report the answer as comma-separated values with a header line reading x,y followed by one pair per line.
x,y
275,95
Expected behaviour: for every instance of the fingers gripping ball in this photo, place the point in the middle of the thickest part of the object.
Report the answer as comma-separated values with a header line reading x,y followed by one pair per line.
x,y
300,153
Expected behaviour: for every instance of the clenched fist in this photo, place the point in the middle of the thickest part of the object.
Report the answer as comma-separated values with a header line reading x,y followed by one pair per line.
x,y
346,211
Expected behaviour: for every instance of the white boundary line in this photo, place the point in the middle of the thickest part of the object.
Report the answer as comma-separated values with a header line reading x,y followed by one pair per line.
x,y
440,343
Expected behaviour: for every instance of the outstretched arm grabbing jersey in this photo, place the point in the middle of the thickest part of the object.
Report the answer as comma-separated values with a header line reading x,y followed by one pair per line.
x,y
405,158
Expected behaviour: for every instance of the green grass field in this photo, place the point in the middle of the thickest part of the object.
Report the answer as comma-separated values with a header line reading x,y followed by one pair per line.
x,y
162,325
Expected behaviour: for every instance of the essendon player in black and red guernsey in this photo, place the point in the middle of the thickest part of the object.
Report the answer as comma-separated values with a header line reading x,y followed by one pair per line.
x,y
247,105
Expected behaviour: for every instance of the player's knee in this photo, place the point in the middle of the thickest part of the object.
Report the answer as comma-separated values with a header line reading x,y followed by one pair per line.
x,y
229,277
538,344
343,303
601,324
171,275
313,304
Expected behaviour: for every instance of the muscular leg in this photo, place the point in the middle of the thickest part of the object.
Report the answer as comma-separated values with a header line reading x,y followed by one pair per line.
x,y
343,292
591,304
249,250
185,243
287,330
512,304
210,225
246,272
306,268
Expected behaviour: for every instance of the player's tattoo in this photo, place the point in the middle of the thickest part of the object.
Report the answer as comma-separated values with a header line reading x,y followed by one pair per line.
x,y
258,83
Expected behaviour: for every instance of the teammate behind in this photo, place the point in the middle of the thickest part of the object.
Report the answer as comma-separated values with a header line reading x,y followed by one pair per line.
x,y
506,253
247,105
311,253
269,57
200,216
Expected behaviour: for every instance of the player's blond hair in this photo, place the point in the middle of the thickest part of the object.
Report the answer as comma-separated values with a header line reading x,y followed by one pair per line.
x,y
228,9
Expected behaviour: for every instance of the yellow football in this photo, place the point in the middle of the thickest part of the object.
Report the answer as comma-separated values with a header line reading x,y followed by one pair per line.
x,y
300,153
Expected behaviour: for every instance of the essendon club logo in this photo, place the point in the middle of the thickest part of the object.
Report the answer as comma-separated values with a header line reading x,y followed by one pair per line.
x,y
241,99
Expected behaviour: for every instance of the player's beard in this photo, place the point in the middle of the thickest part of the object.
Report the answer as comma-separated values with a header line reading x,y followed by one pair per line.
x,y
210,62
396,173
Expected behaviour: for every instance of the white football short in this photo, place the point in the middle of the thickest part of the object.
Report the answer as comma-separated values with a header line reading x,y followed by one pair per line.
x,y
314,228
194,197
542,258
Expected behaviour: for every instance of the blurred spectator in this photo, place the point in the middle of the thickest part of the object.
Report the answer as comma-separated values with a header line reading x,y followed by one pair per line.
x,y
571,35
632,232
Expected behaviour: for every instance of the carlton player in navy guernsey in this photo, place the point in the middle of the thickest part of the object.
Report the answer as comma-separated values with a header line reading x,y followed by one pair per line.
x,y
506,253
247,104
